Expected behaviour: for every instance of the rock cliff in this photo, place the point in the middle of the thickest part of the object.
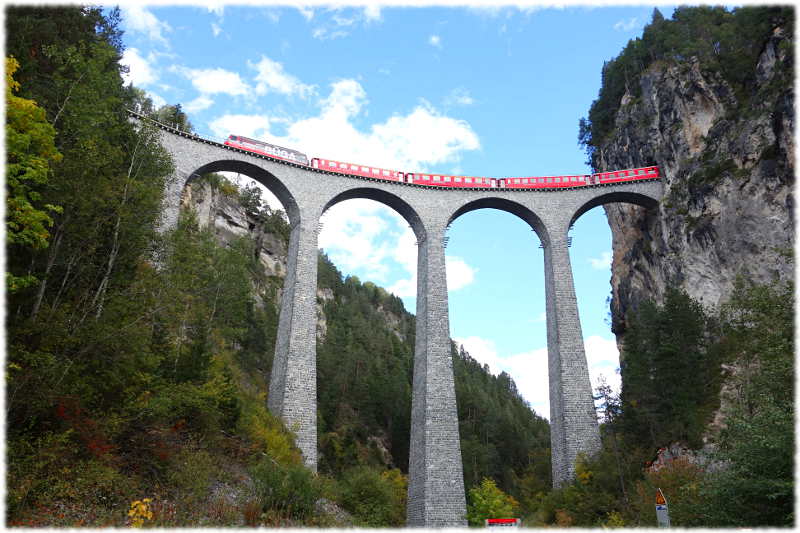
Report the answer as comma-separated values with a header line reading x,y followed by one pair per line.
x,y
727,161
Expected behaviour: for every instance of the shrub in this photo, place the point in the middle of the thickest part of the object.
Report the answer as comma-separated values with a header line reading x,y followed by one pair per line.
x,y
288,490
191,472
488,501
374,499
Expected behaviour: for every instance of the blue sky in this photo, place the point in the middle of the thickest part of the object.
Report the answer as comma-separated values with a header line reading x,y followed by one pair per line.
x,y
459,90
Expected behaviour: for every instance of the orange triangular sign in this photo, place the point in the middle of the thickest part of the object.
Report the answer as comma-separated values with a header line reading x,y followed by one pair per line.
x,y
660,500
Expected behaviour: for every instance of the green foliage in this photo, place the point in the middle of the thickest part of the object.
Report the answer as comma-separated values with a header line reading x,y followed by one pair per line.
x,y
191,472
756,486
727,42
375,499
173,115
30,150
488,501
287,490
671,377
679,481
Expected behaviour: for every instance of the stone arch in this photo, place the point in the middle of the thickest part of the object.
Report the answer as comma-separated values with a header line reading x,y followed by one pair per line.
x,y
641,199
267,179
509,206
386,198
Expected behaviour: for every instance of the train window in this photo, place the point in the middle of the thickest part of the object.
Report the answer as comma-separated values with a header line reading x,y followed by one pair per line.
x,y
436,178
458,180
447,179
467,180
364,169
549,180
385,172
332,164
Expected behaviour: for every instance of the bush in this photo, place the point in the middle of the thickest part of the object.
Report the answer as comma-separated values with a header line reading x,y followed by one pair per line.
x,y
191,472
288,490
488,501
374,499
679,480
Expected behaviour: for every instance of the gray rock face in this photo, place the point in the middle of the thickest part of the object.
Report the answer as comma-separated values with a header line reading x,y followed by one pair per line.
x,y
728,174
225,214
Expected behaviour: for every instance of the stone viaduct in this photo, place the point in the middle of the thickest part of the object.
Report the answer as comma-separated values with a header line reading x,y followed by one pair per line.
x,y
436,485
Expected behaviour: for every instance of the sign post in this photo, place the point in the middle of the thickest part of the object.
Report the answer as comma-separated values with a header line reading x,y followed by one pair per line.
x,y
662,511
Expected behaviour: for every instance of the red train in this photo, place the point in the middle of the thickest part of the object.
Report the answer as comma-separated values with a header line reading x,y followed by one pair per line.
x,y
440,180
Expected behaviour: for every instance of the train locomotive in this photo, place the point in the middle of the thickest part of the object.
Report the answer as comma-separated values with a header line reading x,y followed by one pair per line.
x,y
440,180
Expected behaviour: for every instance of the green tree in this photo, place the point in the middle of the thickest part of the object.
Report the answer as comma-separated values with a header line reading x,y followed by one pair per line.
x,y
671,377
30,151
755,485
488,501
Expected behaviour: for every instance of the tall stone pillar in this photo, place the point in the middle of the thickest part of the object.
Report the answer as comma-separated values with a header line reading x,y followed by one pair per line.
x,y
293,383
436,480
573,422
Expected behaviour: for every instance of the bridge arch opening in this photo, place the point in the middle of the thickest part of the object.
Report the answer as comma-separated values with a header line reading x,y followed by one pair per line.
x,y
499,319
266,179
369,238
591,255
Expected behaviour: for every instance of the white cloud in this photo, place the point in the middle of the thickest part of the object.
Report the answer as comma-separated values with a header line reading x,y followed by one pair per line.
x,y
256,126
602,357
435,40
140,72
530,373
323,34
199,103
601,263
482,350
413,141
272,77
137,18
627,25
359,236
307,12
157,100
459,96
405,253
214,81
372,12
333,24
459,273
216,7
215,29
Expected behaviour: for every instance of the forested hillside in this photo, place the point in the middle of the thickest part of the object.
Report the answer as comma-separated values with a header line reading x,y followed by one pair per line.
x,y
138,362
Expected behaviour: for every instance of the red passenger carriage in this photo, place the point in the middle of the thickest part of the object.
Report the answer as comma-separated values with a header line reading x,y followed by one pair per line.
x,y
440,180
357,170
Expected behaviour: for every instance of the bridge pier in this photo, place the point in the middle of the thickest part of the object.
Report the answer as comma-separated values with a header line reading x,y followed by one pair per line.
x,y
293,381
573,422
435,476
